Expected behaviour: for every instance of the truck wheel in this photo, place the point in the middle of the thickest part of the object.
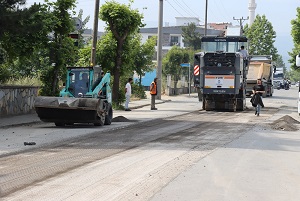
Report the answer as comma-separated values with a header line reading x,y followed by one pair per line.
x,y
203,103
59,124
109,115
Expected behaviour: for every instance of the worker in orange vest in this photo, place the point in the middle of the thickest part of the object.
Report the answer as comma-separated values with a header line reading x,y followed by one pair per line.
x,y
153,92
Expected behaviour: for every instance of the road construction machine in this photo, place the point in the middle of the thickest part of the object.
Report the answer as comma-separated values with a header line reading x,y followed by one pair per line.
x,y
85,98
223,73
260,67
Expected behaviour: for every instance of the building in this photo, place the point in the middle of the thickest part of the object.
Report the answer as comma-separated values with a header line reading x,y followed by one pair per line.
x,y
172,35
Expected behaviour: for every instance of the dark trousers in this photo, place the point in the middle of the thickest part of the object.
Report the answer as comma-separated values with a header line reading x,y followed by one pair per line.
x,y
152,101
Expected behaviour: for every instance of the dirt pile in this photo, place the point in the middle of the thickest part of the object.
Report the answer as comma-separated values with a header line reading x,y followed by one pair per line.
x,y
285,123
120,119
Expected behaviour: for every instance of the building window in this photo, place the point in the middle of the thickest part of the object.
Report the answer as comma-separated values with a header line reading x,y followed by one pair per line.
x,y
174,41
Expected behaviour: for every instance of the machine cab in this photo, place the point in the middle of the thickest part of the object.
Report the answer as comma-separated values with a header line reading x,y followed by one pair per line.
x,y
79,81
223,44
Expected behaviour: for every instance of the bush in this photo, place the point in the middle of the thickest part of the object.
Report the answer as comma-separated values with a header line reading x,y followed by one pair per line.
x,y
138,90
119,104
4,74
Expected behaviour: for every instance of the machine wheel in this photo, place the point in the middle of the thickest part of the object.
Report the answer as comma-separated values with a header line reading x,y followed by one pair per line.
x,y
203,103
59,124
232,106
100,120
108,117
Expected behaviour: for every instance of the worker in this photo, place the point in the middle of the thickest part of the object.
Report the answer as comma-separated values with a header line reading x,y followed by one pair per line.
x,y
153,92
258,91
245,55
244,52
128,93
84,82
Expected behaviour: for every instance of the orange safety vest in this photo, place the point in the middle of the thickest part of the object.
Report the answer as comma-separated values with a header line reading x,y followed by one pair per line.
x,y
153,88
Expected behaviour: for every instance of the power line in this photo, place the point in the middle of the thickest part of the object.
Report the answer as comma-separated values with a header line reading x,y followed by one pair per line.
x,y
175,8
220,11
192,10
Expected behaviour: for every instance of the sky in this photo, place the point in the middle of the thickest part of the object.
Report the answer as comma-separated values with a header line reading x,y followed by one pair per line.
x,y
278,12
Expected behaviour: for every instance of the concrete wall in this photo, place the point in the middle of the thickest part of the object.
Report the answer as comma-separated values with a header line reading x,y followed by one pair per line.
x,y
15,100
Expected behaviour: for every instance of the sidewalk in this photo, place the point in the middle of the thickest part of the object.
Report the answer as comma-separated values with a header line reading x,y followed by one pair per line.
x,y
33,118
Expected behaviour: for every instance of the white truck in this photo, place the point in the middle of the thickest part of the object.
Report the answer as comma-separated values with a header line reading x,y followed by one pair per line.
x,y
278,78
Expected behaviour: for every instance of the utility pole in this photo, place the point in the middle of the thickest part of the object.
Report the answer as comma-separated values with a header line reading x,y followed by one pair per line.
x,y
241,20
95,33
159,50
205,26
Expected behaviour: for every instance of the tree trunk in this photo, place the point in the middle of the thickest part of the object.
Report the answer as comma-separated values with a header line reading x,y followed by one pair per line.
x,y
54,80
117,68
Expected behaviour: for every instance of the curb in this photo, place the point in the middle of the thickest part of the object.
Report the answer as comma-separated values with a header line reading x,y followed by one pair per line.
x,y
148,104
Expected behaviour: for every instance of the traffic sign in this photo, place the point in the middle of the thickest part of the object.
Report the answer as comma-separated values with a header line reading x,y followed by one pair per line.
x,y
185,65
196,70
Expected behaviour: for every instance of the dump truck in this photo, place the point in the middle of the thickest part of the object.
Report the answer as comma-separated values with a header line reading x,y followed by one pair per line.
x,y
220,73
260,67
82,100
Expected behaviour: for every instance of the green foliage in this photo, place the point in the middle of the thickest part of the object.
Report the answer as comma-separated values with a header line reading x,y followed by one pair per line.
x,y
138,90
262,37
293,75
172,61
191,38
62,50
296,38
81,42
122,21
4,74
142,55
279,63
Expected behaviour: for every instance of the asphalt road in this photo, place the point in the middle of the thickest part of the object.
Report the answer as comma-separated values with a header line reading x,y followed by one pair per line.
x,y
178,153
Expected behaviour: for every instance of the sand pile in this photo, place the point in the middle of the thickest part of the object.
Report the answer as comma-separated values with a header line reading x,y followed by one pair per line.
x,y
285,123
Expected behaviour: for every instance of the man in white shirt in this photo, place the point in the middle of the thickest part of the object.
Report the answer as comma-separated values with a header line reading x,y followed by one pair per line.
x,y
244,52
128,93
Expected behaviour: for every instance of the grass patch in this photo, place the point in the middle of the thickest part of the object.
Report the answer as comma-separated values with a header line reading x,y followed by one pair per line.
x,y
27,81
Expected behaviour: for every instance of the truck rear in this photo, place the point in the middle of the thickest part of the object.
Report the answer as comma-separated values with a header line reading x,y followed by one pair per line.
x,y
223,72
260,67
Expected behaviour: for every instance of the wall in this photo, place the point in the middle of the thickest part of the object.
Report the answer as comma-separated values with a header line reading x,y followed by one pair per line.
x,y
15,100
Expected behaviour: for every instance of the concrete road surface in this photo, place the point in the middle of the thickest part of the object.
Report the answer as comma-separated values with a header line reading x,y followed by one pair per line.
x,y
176,153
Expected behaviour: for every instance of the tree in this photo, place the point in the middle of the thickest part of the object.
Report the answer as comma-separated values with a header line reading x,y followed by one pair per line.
x,y
262,37
81,42
62,50
23,34
296,39
122,21
279,63
143,56
191,38
172,61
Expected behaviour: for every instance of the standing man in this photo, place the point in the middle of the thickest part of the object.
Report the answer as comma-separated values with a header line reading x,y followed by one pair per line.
x,y
153,92
244,52
128,93
258,91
